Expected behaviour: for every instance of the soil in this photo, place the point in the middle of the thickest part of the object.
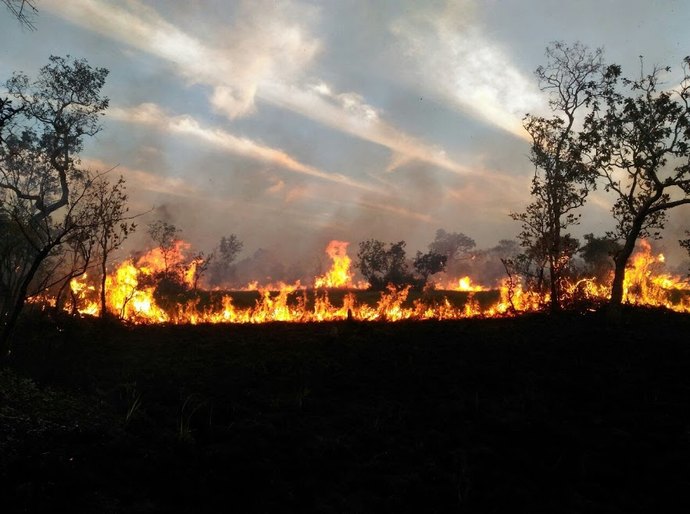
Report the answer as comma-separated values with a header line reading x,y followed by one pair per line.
x,y
565,413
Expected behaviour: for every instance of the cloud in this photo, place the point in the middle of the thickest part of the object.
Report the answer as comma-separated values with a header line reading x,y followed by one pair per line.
x,y
449,55
141,180
349,113
151,114
397,211
266,42
264,54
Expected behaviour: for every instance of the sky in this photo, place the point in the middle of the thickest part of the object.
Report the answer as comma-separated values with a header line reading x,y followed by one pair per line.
x,y
291,123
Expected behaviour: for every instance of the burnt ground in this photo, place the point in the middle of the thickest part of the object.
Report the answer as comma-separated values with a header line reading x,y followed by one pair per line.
x,y
534,414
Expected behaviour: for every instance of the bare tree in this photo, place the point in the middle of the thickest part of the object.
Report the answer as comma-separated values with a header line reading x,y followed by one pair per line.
x,y
573,78
640,143
111,225
165,235
43,123
23,10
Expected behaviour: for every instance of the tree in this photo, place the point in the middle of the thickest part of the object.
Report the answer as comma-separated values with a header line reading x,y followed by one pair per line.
x,y
382,266
573,78
640,144
223,258
429,263
454,245
597,254
109,210
43,123
23,10
685,243
165,235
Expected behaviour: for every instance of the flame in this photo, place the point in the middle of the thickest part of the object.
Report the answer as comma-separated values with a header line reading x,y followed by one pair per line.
x,y
465,284
339,275
646,284
82,291
132,295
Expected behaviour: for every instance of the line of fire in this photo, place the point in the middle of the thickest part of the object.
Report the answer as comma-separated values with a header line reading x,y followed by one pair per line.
x,y
135,292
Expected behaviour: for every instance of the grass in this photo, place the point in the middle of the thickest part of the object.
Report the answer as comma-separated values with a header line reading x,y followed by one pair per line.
x,y
539,413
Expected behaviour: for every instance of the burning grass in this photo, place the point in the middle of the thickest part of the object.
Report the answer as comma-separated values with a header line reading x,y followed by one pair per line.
x,y
157,288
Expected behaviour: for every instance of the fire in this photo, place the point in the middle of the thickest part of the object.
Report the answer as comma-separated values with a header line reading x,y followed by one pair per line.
x,y
82,290
646,284
339,275
133,293
465,284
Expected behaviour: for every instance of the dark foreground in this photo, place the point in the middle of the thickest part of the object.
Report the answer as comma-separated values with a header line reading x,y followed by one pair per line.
x,y
538,414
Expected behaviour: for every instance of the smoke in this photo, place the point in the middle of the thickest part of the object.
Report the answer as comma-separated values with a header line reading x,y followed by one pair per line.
x,y
449,55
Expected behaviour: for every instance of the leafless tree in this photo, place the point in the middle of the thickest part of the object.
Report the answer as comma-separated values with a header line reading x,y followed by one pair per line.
x,y
23,10
111,225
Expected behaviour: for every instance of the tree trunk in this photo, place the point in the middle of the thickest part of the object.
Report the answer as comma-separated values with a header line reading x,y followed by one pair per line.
x,y
554,267
6,335
104,313
555,286
621,262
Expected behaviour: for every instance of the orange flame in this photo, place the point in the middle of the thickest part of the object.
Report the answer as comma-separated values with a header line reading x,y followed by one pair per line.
x,y
132,295
646,284
339,275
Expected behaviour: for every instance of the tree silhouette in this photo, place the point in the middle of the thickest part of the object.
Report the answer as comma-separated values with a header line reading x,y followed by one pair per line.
x,y
429,263
222,259
111,227
597,254
382,266
685,243
640,145
454,245
573,78
165,235
43,123
23,10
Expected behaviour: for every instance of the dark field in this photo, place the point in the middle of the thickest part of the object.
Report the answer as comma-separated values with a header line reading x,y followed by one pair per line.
x,y
533,414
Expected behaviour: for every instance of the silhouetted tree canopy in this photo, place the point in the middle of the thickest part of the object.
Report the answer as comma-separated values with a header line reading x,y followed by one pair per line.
x,y
165,235
429,263
639,143
382,265
44,195
574,78
222,266
685,243
454,245
597,254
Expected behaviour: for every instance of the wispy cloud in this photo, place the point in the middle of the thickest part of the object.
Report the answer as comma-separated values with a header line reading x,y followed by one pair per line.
x,y
266,54
142,180
398,211
349,113
450,56
152,115
264,43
